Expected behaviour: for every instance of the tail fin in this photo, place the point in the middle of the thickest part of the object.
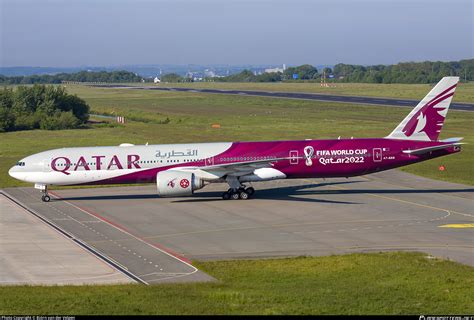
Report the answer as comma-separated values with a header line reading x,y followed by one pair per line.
x,y
427,119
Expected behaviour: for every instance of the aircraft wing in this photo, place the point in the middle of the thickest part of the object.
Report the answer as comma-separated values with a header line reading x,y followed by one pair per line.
x,y
232,168
434,148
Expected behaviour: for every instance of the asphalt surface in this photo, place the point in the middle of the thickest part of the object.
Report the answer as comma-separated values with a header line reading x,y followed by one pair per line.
x,y
140,260
305,96
386,211
32,252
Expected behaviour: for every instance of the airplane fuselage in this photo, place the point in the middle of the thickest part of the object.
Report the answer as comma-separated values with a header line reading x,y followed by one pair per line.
x,y
180,169
294,159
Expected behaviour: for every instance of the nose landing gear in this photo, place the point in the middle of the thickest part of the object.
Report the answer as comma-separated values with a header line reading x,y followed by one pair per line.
x,y
45,198
44,190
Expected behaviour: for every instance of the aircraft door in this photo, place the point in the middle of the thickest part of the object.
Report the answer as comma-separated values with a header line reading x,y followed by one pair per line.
x,y
294,157
209,161
46,164
377,154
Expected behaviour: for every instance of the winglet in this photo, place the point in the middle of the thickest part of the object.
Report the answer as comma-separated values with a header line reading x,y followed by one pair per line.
x,y
426,120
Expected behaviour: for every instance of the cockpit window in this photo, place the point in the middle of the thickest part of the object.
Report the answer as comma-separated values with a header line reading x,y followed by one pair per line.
x,y
20,164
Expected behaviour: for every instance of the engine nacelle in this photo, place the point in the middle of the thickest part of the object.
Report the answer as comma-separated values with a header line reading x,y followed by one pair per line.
x,y
174,183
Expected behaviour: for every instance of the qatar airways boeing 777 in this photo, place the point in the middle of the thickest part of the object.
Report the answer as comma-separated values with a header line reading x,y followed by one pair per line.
x,y
180,169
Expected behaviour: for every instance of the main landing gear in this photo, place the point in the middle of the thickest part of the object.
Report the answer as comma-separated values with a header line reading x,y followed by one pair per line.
x,y
241,193
237,190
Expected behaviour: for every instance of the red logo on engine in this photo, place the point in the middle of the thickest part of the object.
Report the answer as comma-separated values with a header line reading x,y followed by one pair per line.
x,y
184,183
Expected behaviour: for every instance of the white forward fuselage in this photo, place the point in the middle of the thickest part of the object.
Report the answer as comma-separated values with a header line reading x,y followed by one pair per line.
x,y
72,166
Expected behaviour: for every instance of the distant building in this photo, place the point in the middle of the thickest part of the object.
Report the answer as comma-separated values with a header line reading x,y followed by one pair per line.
x,y
209,73
275,70
156,80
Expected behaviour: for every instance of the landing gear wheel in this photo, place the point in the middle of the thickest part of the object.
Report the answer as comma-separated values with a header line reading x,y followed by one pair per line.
x,y
235,196
250,191
243,195
44,192
226,195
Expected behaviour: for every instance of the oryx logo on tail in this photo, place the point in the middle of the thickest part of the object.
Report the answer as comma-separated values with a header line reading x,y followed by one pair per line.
x,y
427,119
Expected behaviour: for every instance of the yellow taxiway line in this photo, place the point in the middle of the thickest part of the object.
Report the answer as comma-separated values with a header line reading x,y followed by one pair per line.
x,y
458,225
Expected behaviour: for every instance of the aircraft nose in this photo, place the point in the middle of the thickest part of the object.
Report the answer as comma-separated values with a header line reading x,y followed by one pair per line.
x,y
14,172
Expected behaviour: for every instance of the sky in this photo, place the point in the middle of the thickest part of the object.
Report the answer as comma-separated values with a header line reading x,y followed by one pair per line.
x,y
69,33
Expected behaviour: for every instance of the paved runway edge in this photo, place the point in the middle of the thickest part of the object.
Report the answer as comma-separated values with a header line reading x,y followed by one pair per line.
x,y
183,271
394,102
85,246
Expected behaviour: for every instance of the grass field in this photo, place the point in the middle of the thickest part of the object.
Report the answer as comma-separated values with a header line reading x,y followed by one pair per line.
x,y
377,283
464,91
242,118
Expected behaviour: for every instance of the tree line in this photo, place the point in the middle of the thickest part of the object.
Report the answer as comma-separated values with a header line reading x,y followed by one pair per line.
x,y
303,72
41,107
82,76
406,72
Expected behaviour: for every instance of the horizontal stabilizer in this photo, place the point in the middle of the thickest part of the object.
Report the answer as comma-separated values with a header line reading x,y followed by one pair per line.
x,y
433,148
451,140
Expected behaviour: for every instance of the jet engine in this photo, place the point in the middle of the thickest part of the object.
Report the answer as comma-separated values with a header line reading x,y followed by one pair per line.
x,y
174,183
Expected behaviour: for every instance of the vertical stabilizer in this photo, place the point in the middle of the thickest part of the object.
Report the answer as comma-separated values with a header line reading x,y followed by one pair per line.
x,y
427,118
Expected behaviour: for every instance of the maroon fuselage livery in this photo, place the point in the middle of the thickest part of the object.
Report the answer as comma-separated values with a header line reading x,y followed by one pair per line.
x,y
330,158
